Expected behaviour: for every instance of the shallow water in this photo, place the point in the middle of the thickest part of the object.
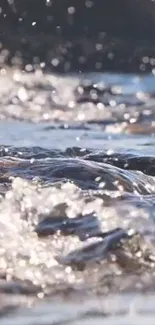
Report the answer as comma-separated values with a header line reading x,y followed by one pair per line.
x,y
77,186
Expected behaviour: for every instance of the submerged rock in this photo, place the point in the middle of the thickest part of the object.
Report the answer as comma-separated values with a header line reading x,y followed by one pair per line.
x,y
82,226
96,250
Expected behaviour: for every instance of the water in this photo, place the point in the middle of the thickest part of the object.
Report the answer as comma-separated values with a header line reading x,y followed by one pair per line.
x,y
77,198
77,163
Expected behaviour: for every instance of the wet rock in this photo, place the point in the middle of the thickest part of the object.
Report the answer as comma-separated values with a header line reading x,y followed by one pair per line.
x,y
96,250
18,287
128,250
145,164
89,92
82,226
87,175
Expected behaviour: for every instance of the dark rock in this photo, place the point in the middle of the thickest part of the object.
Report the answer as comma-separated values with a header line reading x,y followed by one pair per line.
x,y
145,164
82,226
96,250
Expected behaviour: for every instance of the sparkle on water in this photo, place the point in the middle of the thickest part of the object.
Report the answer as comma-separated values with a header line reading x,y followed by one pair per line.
x,y
76,167
77,185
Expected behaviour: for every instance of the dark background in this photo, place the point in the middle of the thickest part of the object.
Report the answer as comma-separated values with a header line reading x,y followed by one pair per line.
x,y
37,28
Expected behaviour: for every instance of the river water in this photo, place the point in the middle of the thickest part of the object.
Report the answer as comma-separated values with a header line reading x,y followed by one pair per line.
x,y
77,193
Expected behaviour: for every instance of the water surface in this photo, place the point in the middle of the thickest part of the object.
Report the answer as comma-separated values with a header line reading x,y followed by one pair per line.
x,y
77,188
